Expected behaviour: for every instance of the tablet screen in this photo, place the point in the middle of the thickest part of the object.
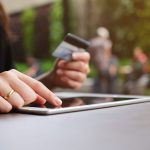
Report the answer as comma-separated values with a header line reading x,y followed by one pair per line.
x,y
72,102
80,101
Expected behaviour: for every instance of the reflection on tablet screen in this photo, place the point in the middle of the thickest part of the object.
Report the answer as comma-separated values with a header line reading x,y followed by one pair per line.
x,y
80,101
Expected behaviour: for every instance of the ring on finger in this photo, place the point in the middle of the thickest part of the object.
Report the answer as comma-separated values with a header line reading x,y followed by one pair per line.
x,y
9,94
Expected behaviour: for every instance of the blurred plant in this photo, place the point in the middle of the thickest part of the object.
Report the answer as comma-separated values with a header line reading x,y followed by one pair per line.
x,y
141,28
56,24
27,20
127,21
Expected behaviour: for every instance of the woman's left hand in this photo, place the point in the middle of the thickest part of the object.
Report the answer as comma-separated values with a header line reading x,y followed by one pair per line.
x,y
71,74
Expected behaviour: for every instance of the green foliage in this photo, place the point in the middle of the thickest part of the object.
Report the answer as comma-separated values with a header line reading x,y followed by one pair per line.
x,y
141,28
128,21
92,71
27,20
21,66
46,65
56,26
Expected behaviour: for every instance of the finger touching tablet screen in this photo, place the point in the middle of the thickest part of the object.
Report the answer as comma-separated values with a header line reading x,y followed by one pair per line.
x,y
72,102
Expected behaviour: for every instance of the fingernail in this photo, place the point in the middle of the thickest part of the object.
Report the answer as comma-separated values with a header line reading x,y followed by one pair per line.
x,y
58,101
74,55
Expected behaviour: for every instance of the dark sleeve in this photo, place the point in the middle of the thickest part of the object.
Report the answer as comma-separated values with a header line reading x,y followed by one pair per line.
x,y
6,56
9,58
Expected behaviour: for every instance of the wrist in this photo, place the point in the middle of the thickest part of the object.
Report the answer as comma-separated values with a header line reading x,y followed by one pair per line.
x,y
51,80
47,79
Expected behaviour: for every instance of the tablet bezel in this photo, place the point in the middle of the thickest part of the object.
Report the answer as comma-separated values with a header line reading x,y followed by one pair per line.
x,y
133,99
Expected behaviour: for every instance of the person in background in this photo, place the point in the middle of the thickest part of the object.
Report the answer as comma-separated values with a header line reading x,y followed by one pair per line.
x,y
138,78
18,89
104,62
139,62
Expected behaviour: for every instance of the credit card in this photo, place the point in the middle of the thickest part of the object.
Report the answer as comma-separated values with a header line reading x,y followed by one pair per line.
x,y
70,44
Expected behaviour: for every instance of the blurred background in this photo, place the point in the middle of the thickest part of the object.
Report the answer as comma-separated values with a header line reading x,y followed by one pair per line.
x,y
39,26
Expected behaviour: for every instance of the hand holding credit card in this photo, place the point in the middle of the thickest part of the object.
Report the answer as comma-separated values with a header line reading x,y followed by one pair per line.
x,y
70,44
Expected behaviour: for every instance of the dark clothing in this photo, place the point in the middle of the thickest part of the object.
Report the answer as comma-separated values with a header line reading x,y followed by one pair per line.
x,y
103,62
105,82
6,61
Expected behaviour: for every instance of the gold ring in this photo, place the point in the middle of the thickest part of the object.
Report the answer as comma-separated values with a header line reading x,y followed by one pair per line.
x,y
9,94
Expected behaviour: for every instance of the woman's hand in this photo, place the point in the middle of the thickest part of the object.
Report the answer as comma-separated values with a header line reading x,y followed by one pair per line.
x,y
71,74
17,89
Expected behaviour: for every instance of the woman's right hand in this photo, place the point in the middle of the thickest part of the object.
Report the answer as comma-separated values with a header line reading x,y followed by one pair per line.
x,y
18,89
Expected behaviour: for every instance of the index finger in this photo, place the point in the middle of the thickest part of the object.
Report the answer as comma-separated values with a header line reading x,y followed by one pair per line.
x,y
39,88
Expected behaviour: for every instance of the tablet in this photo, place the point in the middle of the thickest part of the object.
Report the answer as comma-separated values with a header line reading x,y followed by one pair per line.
x,y
73,102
